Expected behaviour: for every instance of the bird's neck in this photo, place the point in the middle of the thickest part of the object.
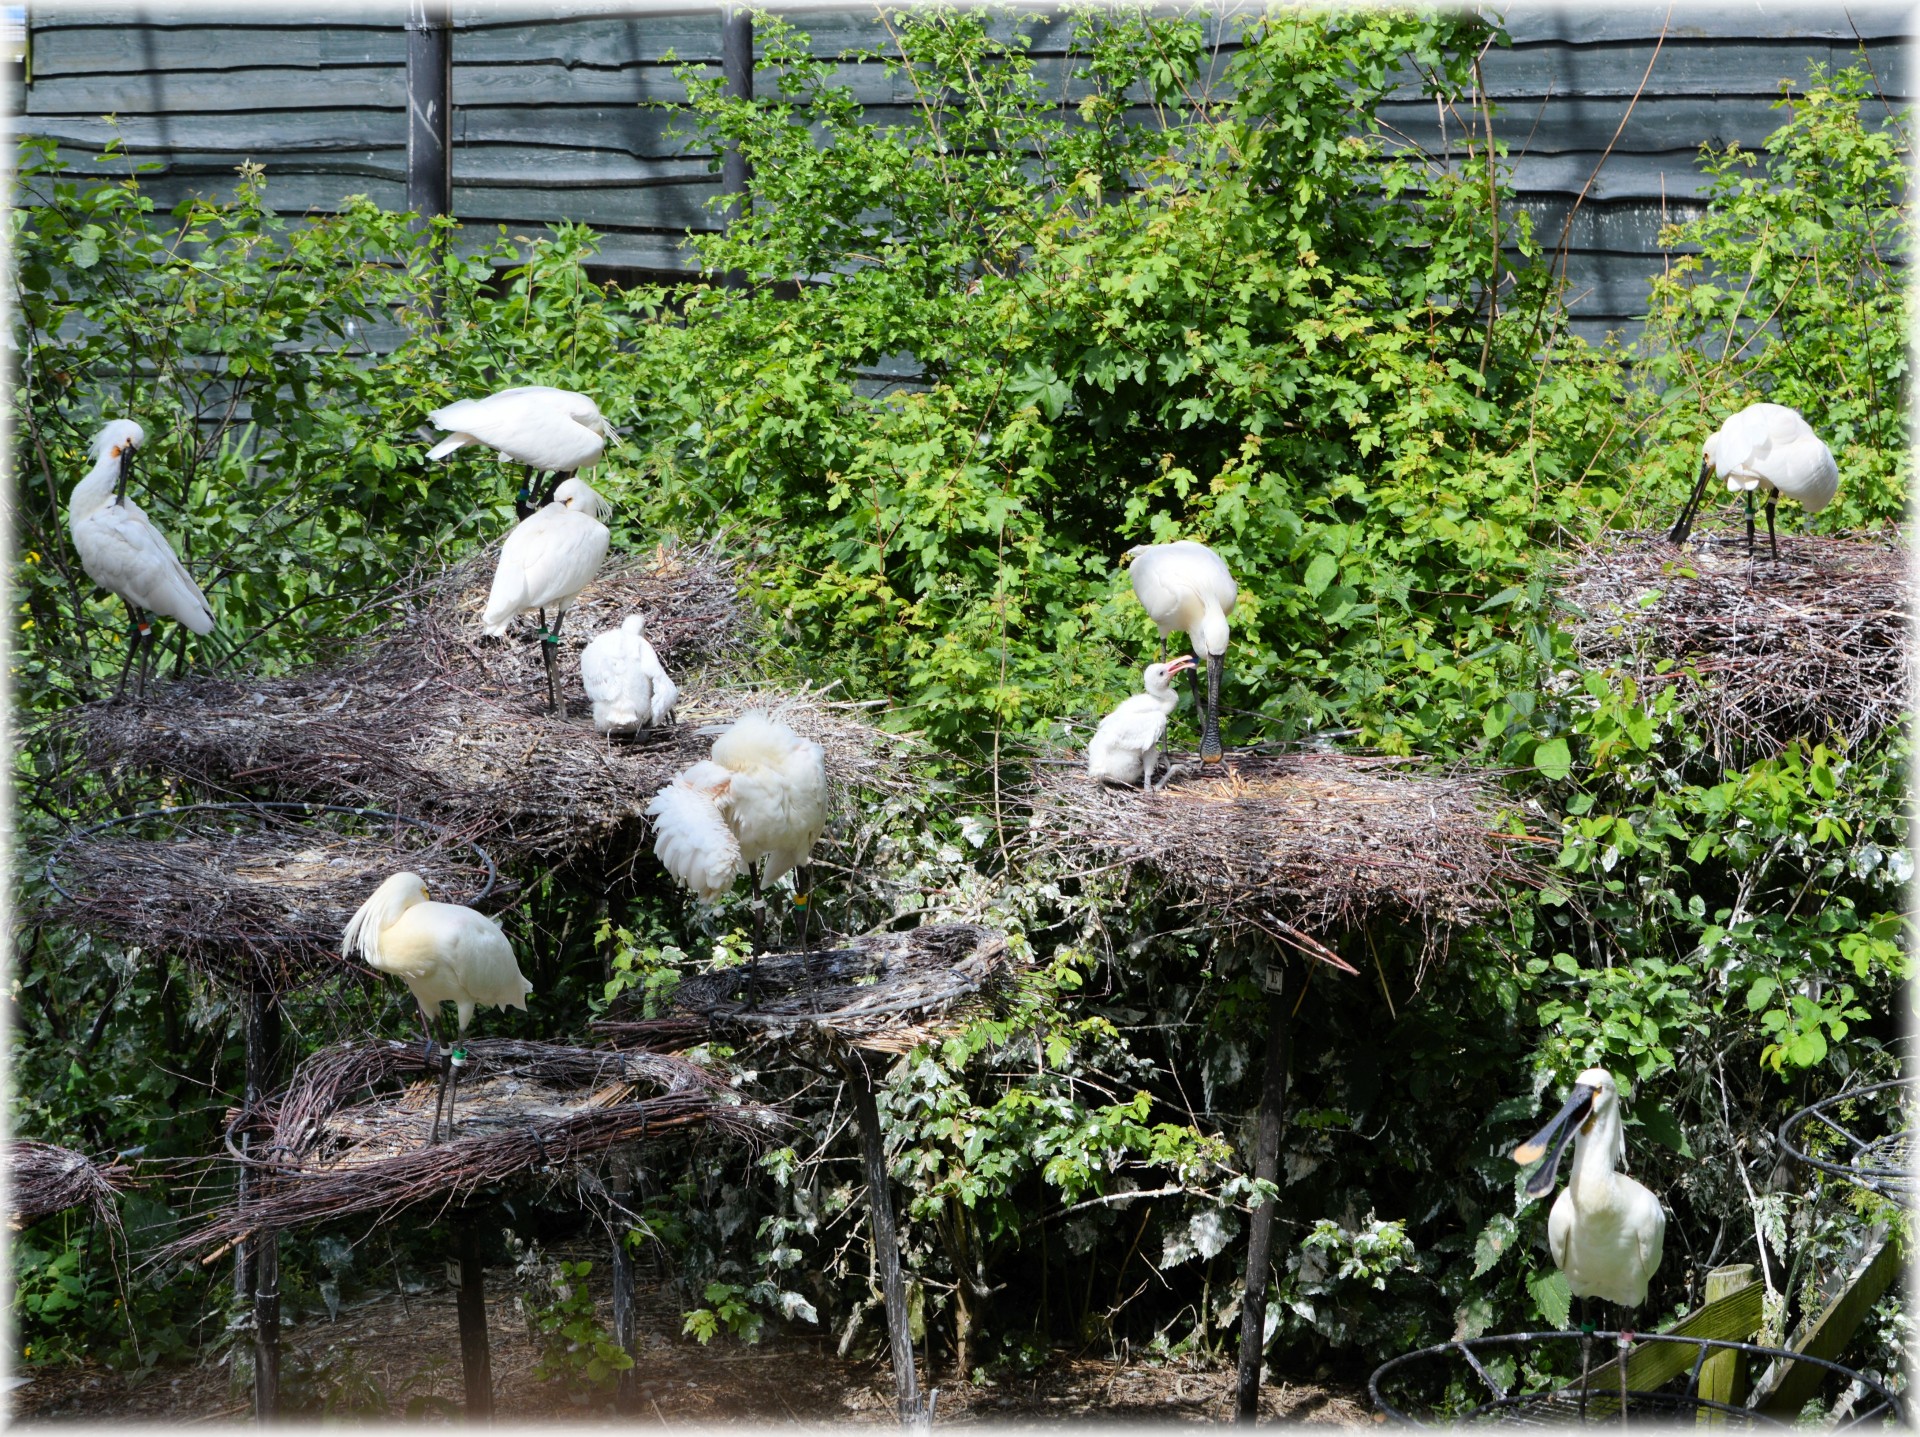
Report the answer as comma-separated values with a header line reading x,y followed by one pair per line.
x,y
1593,1159
94,490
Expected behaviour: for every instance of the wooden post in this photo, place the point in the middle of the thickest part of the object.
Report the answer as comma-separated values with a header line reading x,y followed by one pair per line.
x,y
626,1392
429,107
886,1241
261,1269
476,1362
1723,1376
736,69
1869,1271
1266,1165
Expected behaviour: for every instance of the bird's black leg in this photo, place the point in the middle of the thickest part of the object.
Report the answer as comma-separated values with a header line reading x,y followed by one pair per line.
x,y
523,505
1749,523
549,641
1199,706
456,1060
558,478
1772,543
134,623
1691,509
803,900
1210,750
426,1029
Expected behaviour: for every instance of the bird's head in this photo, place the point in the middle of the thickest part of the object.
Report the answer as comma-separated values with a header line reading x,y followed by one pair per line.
x,y
634,624
1129,555
1159,677
579,496
117,439
1592,1095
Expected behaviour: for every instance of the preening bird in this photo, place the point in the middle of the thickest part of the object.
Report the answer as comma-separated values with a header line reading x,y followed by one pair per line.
x,y
1770,449
546,561
1186,586
445,953
1125,746
768,786
622,675
1605,1229
553,431
125,554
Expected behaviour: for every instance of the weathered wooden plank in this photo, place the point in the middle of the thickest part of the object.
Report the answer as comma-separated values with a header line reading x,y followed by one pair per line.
x,y
1734,1318
270,87
1579,124
1784,1393
1531,21
1752,67
105,48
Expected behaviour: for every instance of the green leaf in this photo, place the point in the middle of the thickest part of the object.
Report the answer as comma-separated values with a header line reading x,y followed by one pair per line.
x,y
1552,1297
1553,759
1320,573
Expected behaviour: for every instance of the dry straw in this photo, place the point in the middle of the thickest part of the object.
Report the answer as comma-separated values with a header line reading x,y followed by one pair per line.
x,y
1815,645
434,720
349,1134
1299,847
43,1179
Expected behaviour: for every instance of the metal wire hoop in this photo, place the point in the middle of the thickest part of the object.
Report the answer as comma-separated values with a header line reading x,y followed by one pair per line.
x,y
1530,1408
1878,1164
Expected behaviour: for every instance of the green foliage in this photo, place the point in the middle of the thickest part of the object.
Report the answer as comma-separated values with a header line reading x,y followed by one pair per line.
x,y
575,1347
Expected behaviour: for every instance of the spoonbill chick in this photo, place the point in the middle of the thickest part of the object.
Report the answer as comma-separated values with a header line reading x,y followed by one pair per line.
x,y
622,675
546,561
691,837
1126,745
445,953
125,554
1605,1229
1185,586
552,431
1769,449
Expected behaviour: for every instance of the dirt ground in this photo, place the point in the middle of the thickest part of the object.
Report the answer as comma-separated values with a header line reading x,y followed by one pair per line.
x,y
397,1349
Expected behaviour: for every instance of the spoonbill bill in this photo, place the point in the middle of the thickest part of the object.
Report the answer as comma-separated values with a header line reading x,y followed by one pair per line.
x,y
552,431
445,953
622,675
1125,747
1770,449
546,561
1186,586
125,554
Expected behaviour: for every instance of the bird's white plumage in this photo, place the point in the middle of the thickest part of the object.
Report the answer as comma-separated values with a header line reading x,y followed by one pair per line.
x,y
550,429
1122,748
691,836
622,675
1772,449
445,953
1185,587
776,803
550,556
1605,1230
119,546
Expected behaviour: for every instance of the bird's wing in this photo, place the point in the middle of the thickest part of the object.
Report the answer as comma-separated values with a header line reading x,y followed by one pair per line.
x,y
122,551
483,959
1804,470
1134,727
693,842
532,424
1652,1232
562,561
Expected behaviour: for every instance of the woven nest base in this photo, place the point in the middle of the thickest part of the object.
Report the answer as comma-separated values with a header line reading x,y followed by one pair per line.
x,y
44,1179
884,992
1816,643
350,1133
1295,844
435,720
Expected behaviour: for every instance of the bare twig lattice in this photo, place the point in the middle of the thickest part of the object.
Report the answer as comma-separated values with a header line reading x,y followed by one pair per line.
x,y
1295,845
44,1179
252,891
525,1109
1817,643
884,992
432,719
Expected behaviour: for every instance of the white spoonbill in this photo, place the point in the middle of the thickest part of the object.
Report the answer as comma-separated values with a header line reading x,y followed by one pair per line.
x,y
1605,1229
1186,586
546,561
553,431
125,554
1125,746
1767,448
445,953
691,837
622,675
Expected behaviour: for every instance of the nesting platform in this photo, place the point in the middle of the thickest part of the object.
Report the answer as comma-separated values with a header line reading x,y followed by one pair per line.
x,y
1816,643
253,893
432,719
43,1179
350,1133
1295,844
883,992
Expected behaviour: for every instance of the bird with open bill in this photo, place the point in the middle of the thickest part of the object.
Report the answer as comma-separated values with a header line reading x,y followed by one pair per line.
x,y
1767,449
1185,587
124,553
1125,747
546,561
552,431
444,953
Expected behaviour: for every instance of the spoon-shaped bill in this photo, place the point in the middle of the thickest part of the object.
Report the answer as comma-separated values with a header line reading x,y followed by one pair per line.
x,y
1552,1140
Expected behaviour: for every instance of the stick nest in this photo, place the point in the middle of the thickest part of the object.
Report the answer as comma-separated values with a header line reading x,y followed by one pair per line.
x,y
252,895
45,1179
886,992
1294,845
1815,644
523,1109
432,719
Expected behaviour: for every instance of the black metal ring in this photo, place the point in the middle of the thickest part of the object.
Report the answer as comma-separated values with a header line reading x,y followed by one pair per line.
x,y
256,807
1887,1181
